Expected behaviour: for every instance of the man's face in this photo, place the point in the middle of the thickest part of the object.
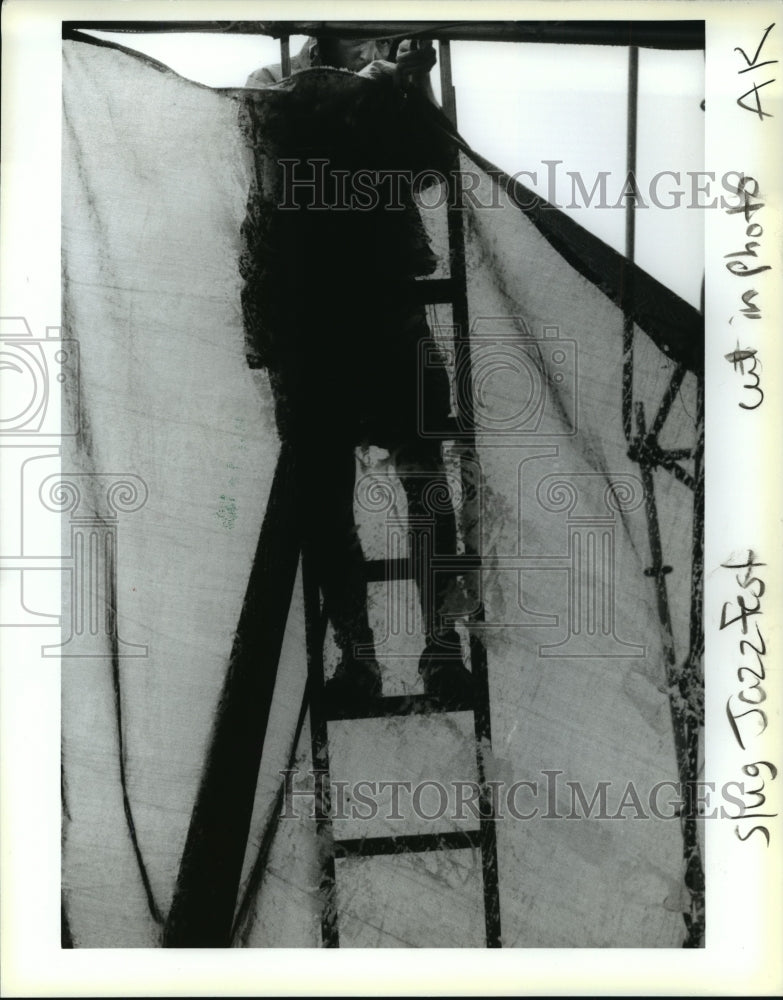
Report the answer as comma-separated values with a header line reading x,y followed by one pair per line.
x,y
356,53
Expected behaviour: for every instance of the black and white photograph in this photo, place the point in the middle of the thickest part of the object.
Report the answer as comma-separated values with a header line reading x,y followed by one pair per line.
x,y
389,511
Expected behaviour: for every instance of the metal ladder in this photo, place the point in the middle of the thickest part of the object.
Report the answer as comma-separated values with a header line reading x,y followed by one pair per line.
x,y
452,291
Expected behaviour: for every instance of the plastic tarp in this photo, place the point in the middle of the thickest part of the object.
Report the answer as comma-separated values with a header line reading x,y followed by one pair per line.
x,y
156,175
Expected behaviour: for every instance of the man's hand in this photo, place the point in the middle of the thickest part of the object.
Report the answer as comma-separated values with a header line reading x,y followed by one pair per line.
x,y
415,59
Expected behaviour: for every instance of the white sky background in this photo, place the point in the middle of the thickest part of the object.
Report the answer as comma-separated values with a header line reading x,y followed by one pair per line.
x,y
521,104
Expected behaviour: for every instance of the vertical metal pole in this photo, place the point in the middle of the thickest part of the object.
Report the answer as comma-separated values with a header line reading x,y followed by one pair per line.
x,y
285,56
694,870
694,681
448,96
319,742
471,522
697,561
633,104
630,242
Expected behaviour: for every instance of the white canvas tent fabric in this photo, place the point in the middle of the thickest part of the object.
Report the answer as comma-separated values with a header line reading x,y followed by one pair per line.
x,y
155,181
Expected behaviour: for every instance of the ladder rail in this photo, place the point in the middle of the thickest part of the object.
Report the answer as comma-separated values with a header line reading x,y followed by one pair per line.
x,y
319,742
472,515
451,290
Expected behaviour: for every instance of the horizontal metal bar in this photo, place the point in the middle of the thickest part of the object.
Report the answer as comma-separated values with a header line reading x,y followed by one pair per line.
x,y
364,847
381,570
378,570
671,34
407,704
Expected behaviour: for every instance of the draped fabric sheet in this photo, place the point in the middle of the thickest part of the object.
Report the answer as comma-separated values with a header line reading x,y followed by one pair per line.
x,y
156,175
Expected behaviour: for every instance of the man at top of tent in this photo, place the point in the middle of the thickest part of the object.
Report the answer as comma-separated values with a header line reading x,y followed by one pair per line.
x,y
410,64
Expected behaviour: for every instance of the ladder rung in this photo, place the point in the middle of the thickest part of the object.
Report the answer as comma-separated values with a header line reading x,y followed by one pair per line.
x,y
430,291
388,569
379,570
406,704
413,843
